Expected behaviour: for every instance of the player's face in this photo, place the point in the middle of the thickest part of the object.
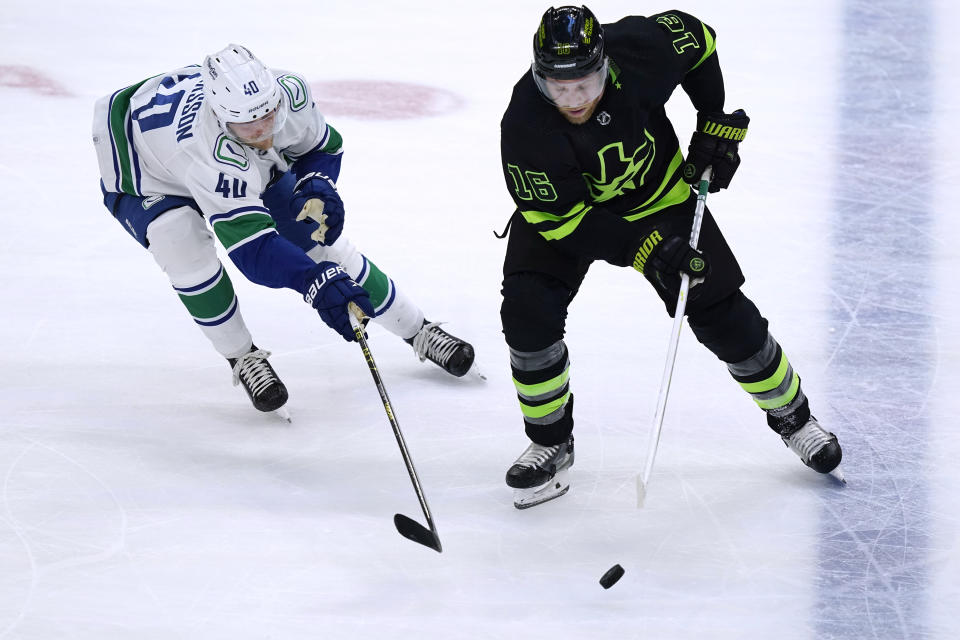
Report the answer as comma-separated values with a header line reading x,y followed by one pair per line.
x,y
256,133
580,114
575,98
576,93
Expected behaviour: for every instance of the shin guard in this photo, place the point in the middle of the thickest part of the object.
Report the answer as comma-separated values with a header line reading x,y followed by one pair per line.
x,y
182,245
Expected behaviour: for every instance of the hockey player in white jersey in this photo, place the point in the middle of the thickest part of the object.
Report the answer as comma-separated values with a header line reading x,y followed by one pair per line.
x,y
244,147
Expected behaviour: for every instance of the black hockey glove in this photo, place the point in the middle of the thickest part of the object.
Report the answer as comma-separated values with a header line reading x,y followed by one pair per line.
x,y
658,256
330,290
715,143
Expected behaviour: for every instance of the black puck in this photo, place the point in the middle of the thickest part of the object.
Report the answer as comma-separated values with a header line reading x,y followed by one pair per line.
x,y
610,578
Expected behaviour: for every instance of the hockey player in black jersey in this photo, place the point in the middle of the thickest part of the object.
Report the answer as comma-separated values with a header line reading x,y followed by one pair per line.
x,y
597,173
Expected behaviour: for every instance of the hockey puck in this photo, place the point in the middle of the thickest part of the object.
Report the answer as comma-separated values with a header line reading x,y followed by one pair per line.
x,y
610,578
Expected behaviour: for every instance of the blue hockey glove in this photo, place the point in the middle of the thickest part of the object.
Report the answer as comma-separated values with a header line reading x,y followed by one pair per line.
x,y
329,291
315,197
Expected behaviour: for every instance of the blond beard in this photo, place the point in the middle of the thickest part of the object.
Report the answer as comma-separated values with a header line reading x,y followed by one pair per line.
x,y
583,117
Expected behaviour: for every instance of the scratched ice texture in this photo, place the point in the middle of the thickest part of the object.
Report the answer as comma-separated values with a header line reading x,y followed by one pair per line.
x,y
142,497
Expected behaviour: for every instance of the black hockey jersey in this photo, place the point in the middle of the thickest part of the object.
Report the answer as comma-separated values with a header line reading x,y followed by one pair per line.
x,y
581,186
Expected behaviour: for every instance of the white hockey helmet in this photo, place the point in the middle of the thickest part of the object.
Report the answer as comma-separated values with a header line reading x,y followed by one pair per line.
x,y
240,89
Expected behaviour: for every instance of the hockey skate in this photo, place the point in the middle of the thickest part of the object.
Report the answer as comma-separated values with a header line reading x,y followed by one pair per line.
x,y
260,381
540,474
447,351
817,448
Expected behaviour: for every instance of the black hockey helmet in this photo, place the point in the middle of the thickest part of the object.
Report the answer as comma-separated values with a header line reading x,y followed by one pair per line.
x,y
568,44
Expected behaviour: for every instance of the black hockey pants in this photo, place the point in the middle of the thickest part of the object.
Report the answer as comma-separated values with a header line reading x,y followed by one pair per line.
x,y
540,282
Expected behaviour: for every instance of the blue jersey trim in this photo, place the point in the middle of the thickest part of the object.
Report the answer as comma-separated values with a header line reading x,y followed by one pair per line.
x,y
273,261
219,217
202,285
229,314
113,143
134,158
315,160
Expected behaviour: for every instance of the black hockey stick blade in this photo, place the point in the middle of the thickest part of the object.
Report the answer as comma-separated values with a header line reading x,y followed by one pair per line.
x,y
413,530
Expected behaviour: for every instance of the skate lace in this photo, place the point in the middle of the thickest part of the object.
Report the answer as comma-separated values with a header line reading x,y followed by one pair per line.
x,y
536,455
434,343
809,440
255,371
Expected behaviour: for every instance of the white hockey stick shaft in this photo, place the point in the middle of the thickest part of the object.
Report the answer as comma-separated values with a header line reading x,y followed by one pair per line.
x,y
644,479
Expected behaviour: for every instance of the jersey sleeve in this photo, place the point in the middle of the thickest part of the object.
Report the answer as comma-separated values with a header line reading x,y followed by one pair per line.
x,y
229,198
546,184
691,47
318,147
325,157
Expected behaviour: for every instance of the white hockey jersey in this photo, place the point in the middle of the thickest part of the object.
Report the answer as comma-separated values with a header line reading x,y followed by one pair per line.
x,y
157,138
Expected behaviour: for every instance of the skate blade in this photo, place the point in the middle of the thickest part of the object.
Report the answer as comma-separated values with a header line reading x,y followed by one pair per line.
x,y
475,371
283,414
837,475
558,485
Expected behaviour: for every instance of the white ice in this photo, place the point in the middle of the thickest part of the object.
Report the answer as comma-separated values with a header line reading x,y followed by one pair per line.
x,y
142,497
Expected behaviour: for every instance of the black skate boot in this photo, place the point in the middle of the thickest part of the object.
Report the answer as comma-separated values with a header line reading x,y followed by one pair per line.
x,y
800,431
540,473
819,449
447,351
259,380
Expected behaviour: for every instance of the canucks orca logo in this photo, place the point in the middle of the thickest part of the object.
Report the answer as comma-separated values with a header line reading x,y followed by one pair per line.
x,y
620,172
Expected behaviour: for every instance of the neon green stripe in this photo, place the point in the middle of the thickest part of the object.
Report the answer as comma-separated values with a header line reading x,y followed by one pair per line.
x,y
230,232
564,230
536,217
675,162
770,383
711,47
544,409
679,193
613,71
533,390
784,400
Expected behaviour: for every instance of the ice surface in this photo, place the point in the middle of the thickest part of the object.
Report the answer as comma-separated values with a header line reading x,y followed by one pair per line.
x,y
141,496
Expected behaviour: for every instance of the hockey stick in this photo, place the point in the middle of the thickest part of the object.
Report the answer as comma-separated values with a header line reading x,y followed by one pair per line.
x,y
644,479
407,527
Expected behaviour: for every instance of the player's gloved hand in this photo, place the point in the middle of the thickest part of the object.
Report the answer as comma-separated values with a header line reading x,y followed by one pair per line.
x,y
315,197
715,143
658,256
329,291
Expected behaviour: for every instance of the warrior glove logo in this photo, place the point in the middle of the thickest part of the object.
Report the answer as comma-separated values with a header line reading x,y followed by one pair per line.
x,y
646,248
724,131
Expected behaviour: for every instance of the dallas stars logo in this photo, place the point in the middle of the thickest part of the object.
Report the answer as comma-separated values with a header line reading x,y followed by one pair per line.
x,y
619,172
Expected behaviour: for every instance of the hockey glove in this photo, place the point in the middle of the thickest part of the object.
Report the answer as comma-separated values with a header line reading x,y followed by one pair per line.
x,y
658,256
715,143
329,291
315,198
